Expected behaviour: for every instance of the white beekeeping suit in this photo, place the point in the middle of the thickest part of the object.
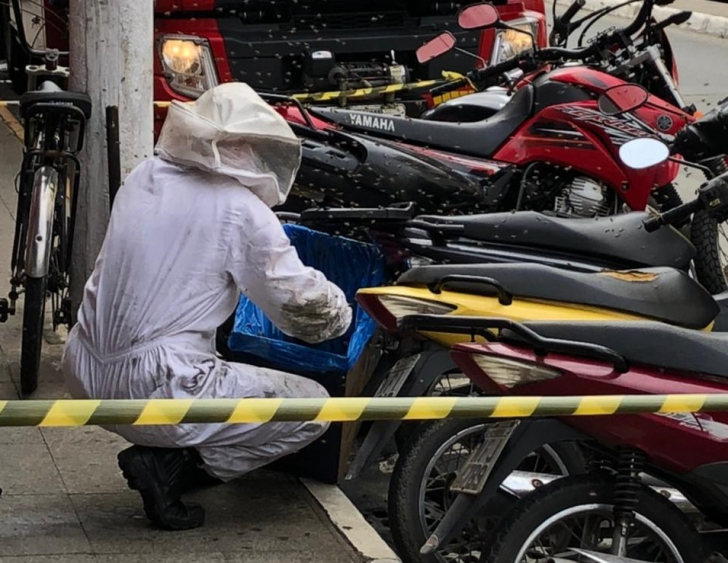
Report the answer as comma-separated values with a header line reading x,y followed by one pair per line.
x,y
190,229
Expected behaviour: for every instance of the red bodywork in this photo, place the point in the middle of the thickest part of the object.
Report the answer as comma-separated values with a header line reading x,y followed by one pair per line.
x,y
678,443
578,136
57,36
586,142
208,28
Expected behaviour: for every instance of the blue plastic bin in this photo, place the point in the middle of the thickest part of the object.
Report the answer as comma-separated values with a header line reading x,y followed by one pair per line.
x,y
349,264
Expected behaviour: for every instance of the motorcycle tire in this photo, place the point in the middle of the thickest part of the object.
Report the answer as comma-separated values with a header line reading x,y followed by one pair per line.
x,y
32,336
705,236
409,472
409,428
525,519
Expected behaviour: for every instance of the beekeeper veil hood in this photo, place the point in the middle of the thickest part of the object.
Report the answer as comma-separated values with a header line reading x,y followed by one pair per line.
x,y
230,130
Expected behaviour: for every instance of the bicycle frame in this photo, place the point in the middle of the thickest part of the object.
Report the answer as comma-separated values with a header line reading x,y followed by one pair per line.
x,y
50,153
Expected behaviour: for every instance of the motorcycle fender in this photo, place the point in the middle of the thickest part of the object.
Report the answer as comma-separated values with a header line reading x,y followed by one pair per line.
x,y
429,365
528,436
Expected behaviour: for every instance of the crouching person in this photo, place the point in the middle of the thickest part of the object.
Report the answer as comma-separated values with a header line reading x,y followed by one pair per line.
x,y
190,229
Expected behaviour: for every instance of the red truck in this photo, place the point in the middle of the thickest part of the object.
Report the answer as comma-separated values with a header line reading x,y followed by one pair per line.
x,y
288,46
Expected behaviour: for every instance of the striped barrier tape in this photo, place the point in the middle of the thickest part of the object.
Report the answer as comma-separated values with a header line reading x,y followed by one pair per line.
x,y
348,94
350,409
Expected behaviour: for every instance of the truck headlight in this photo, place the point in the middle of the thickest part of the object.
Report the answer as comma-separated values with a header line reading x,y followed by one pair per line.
x,y
509,42
188,64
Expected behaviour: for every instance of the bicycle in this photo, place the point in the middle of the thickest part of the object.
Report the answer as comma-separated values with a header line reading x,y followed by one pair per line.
x,y
47,186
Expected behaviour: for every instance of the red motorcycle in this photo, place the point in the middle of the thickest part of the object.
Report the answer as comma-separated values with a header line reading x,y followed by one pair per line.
x,y
550,149
655,489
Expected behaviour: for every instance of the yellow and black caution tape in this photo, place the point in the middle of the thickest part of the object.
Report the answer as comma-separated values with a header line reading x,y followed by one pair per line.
x,y
362,92
236,411
306,97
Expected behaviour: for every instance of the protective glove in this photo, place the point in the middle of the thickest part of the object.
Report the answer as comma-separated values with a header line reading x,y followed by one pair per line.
x,y
713,196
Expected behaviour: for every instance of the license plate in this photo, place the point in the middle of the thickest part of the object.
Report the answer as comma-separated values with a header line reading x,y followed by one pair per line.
x,y
396,377
473,475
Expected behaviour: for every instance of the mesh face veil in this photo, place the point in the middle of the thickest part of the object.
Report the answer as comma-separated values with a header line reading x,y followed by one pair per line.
x,y
230,130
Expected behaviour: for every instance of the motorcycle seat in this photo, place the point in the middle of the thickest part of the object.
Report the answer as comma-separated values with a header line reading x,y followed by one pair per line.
x,y
480,138
662,294
648,343
620,237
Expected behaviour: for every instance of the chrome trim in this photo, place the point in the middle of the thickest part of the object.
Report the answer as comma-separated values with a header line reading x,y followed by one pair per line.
x,y
38,239
520,483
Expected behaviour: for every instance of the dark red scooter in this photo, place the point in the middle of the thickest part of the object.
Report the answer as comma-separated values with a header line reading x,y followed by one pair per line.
x,y
609,514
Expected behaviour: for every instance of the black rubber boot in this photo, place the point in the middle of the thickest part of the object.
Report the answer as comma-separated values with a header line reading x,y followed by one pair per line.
x,y
159,474
195,476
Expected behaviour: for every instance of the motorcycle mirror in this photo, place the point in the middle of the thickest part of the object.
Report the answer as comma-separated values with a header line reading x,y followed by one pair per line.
x,y
622,98
435,47
643,153
478,16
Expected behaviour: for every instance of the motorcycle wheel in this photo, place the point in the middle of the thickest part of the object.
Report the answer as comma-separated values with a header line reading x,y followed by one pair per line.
x,y
418,496
546,524
705,234
450,384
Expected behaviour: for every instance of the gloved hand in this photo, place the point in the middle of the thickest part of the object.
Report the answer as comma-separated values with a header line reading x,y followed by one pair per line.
x,y
714,197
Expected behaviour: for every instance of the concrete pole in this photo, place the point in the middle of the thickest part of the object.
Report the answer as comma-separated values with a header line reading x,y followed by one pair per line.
x,y
112,45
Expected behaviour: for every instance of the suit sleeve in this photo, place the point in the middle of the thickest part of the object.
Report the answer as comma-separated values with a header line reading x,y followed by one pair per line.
x,y
298,299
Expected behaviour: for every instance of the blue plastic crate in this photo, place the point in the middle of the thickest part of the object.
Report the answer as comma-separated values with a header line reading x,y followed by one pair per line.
x,y
349,264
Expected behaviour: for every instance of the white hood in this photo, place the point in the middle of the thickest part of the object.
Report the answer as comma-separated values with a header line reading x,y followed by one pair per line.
x,y
230,130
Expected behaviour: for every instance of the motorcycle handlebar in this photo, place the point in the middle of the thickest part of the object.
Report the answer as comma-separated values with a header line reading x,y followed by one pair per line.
x,y
571,11
562,23
642,16
675,19
673,216
544,55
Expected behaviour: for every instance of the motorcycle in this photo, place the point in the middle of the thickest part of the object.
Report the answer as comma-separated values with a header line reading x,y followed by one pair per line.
x,y
424,368
562,159
647,59
578,245
590,358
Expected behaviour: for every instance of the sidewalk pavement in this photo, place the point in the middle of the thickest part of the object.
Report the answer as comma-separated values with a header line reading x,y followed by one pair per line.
x,y
709,16
64,499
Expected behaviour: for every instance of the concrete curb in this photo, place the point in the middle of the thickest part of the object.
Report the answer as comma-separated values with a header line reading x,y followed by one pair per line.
x,y
706,24
351,523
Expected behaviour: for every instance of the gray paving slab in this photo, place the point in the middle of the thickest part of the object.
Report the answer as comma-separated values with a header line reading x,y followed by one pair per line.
x,y
28,469
86,459
40,524
284,557
259,514
212,557
73,558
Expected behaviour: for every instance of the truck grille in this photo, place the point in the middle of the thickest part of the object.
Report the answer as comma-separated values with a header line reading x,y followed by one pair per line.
x,y
350,21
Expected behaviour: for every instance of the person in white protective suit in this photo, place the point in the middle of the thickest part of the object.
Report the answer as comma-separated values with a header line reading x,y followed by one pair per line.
x,y
191,228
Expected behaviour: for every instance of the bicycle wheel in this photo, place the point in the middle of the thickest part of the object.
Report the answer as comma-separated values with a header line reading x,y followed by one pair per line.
x,y
32,339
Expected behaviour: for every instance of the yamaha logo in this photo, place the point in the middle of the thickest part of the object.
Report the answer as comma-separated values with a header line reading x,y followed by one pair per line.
x,y
664,123
371,122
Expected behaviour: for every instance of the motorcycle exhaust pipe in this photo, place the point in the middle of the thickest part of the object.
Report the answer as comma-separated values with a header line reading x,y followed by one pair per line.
x,y
521,483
